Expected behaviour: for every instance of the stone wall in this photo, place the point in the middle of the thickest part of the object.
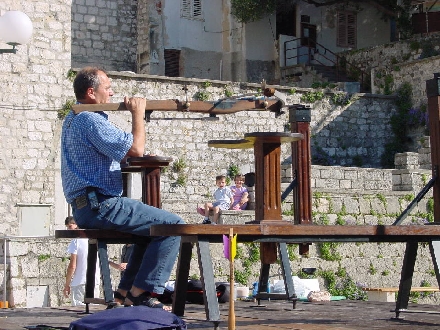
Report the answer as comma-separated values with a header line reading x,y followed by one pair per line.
x,y
392,64
104,33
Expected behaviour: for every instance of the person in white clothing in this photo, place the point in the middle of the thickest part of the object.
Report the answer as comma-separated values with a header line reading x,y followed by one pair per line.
x,y
224,198
75,284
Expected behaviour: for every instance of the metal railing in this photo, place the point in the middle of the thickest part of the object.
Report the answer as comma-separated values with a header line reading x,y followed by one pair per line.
x,y
312,53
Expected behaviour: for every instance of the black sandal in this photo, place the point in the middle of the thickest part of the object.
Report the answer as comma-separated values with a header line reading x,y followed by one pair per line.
x,y
145,299
114,304
118,295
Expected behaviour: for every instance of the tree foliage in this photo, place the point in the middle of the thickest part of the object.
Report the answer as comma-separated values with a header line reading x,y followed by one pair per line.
x,y
246,11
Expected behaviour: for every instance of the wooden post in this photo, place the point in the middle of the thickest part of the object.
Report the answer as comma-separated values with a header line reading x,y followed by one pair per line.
x,y
433,92
231,316
149,167
300,117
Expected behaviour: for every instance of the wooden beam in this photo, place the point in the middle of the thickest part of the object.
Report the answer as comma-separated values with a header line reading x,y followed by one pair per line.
x,y
209,107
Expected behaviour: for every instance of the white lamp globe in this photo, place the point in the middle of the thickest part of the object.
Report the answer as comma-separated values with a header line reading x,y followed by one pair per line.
x,y
15,27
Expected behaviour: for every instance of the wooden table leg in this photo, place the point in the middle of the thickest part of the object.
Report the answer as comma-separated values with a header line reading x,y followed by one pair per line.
x,y
181,285
207,277
406,276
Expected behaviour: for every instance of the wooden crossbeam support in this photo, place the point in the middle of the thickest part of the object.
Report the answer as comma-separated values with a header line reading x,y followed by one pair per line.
x,y
215,107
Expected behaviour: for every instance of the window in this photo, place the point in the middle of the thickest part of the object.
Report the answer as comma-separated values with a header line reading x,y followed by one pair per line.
x,y
172,59
346,29
191,9
308,35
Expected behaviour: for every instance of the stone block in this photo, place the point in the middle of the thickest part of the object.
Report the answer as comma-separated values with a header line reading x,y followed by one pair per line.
x,y
406,160
381,296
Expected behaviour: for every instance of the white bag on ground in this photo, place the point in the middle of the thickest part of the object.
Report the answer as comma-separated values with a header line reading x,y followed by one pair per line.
x,y
302,287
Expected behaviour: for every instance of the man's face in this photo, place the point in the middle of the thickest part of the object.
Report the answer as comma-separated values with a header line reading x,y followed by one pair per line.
x,y
104,92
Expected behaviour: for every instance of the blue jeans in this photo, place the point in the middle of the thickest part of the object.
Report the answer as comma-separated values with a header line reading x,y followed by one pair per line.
x,y
149,266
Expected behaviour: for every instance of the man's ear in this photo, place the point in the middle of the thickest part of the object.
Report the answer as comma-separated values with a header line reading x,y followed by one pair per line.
x,y
90,93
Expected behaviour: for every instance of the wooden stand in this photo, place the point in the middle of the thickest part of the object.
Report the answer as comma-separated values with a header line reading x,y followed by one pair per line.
x,y
433,92
267,152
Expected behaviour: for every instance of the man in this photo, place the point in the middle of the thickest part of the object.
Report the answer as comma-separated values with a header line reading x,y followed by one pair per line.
x,y
75,284
91,151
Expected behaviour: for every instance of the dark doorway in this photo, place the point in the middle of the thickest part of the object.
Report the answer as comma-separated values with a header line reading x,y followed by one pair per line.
x,y
286,21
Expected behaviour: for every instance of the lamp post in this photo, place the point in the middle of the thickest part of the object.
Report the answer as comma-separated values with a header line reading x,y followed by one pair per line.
x,y
15,29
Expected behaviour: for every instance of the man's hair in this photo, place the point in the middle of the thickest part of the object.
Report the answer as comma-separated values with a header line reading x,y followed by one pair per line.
x,y
86,78
220,177
69,220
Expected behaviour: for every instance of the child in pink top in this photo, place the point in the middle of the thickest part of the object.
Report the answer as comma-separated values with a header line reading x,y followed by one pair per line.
x,y
240,193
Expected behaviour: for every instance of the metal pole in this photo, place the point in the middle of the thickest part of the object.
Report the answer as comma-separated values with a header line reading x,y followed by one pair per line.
x,y
4,271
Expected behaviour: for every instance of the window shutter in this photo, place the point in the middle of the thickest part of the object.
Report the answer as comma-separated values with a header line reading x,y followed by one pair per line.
x,y
341,30
197,8
191,9
351,30
186,9
346,30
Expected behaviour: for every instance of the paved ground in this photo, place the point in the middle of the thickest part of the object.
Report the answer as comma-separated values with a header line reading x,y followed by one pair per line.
x,y
275,315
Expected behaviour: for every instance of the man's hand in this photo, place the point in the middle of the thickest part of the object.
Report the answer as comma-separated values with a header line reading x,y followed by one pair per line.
x,y
66,291
135,104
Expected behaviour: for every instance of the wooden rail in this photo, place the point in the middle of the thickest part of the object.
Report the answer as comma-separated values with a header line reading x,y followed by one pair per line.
x,y
305,233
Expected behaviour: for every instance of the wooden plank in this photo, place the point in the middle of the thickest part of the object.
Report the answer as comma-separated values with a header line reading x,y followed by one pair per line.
x,y
211,107
378,232
109,236
415,289
396,233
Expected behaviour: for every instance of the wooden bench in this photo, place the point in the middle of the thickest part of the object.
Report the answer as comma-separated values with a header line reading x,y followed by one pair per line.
x,y
389,294
280,234
98,240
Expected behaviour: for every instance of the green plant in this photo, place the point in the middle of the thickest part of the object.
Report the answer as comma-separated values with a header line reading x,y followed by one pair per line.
x,y
400,122
431,272
206,84
292,91
181,180
343,287
328,251
389,83
43,257
228,92
233,170
291,251
343,98
383,199
179,165
65,109
248,259
246,11
71,75
202,95
288,212
372,270
312,97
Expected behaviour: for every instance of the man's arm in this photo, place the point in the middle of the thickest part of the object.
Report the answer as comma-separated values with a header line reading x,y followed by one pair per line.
x,y
137,106
69,274
117,266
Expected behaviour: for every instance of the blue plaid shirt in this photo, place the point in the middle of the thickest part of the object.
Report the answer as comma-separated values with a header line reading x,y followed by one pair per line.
x,y
91,151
